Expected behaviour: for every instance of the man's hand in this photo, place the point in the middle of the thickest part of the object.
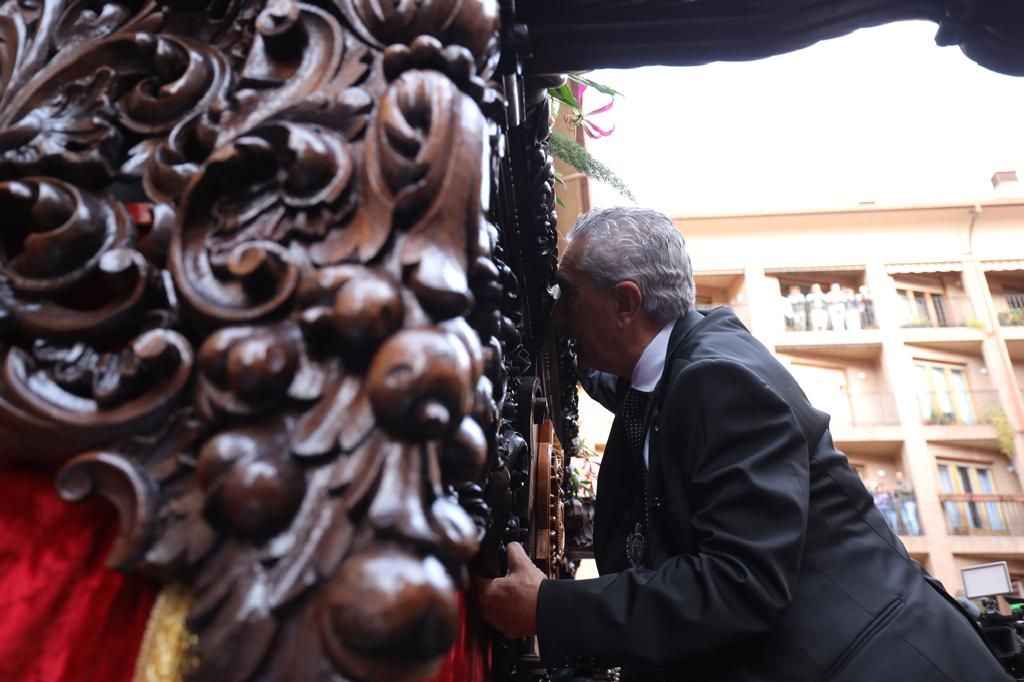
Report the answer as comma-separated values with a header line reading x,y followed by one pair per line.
x,y
510,603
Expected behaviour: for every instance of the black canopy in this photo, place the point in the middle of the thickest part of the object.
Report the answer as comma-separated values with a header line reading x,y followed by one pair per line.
x,y
568,35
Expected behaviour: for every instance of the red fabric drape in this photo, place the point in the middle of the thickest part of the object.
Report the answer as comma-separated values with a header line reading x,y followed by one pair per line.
x,y
470,658
64,616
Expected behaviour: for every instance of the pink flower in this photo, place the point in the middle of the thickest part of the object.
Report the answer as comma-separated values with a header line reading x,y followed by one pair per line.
x,y
592,130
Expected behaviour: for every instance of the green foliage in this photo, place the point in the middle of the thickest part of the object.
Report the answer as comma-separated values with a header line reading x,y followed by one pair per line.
x,y
975,323
604,89
1011,318
581,483
566,96
582,489
1004,432
569,150
579,158
943,418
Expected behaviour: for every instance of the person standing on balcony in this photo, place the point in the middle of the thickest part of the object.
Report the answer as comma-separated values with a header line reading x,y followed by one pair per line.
x,y
906,503
836,307
817,308
867,307
733,539
852,309
798,304
883,500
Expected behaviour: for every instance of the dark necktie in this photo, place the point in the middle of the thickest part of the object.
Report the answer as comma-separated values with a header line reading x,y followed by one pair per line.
x,y
634,408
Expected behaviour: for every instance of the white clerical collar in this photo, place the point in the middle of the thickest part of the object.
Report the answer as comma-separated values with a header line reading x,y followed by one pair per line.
x,y
651,364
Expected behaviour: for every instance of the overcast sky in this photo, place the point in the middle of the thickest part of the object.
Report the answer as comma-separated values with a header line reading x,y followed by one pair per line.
x,y
881,115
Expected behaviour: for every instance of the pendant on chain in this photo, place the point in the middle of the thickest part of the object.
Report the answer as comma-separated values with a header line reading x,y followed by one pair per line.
x,y
636,547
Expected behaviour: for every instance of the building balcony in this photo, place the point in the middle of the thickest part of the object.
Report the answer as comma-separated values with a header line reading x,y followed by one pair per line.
x,y
983,515
864,422
827,300
860,409
1006,284
723,288
958,408
931,311
963,417
1014,337
847,314
857,351
952,339
863,343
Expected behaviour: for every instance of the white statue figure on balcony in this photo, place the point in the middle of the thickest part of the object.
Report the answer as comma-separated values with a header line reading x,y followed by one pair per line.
x,y
797,308
867,307
836,307
852,309
817,308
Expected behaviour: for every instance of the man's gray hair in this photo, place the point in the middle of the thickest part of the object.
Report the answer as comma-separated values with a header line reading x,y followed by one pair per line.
x,y
641,246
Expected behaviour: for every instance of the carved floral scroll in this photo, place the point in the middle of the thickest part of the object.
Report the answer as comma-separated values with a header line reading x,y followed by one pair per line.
x,y
290,380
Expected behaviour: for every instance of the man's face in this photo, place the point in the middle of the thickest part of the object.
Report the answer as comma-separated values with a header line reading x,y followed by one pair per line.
x,y
586,313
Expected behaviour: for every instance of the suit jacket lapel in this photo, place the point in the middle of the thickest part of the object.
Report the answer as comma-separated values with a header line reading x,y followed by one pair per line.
x,y
684,328
613,498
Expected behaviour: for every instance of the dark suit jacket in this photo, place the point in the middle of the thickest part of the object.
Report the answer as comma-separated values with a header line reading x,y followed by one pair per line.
x,y
770,560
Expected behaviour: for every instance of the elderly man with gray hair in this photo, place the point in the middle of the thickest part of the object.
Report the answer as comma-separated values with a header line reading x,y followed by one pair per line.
x,y
733,540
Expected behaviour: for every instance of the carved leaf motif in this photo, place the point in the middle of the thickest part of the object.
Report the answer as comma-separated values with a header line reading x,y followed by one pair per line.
x,y
57,234
84,21
12,42
68,121
300,61
423,173
454,22
93,398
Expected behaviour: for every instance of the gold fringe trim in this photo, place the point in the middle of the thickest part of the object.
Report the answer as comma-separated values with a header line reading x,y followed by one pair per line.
x,y
166,653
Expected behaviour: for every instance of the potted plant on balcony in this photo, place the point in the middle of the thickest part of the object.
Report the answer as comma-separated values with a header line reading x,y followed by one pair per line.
x,y
940,418
1004,432
1011,318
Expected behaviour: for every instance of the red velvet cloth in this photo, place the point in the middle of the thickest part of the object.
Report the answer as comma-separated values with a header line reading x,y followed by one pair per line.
x,y
64,616
470,657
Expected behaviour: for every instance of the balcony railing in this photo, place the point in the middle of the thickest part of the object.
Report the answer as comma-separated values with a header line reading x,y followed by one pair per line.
x,y
908,521
983,514
899,512
958,407
936,310
844,312
858,408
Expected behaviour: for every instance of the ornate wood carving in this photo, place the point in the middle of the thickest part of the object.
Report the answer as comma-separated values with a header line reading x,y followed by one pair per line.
x,y
549,518
289,383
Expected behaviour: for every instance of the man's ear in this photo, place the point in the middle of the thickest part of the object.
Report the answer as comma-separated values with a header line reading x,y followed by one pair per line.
x,y
628,298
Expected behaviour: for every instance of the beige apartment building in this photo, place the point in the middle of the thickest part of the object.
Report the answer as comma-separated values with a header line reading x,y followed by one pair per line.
x,y
914,344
